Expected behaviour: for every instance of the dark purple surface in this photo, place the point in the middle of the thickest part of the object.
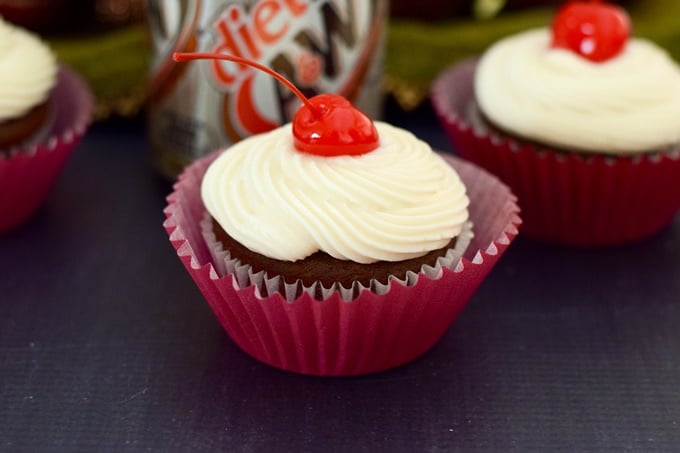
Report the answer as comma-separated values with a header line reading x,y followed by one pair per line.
x,y
106,344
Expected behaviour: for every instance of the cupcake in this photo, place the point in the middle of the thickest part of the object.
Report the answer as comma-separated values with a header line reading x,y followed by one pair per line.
x,y
580,119
44,110
28,75
336,246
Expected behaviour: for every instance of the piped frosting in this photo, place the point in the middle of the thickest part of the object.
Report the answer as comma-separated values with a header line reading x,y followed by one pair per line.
x,y
397,202
628,104
28,71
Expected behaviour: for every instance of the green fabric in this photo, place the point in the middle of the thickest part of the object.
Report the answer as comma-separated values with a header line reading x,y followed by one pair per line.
x,y
115,62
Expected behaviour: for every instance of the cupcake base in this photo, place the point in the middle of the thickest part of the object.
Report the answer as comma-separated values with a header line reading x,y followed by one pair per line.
x,y
566,197
331,336
319,266
319,274
28,174
27,130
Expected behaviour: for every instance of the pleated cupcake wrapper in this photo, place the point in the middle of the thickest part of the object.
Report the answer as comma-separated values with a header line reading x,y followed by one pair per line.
x,y
567,198
330,336
266,284
27,175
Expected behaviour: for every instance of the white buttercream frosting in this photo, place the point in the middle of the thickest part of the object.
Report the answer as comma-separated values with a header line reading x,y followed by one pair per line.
x,y
397,202
628,104
27,71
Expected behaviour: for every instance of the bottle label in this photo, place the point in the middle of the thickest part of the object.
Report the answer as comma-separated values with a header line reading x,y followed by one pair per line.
x,y
322,46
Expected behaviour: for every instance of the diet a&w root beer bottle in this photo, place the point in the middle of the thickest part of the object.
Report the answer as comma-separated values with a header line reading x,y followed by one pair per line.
x,y
322,46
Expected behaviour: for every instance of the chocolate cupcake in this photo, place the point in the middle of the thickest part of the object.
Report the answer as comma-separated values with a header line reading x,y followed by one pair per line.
x,y
28,75
580,120
44,110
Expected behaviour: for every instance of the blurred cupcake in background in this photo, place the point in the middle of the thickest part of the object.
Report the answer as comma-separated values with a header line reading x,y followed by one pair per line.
x,y
71,16
581,120
27,77
85,33
44,110
37,15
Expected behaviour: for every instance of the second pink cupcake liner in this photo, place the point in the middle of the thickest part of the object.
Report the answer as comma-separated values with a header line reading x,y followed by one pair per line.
x,y
567,198
27,176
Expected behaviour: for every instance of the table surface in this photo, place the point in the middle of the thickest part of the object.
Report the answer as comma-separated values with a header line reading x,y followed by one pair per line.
x,y
106,344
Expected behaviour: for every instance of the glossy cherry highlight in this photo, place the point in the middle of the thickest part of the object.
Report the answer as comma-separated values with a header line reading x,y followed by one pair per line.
x,y
341,129
325,125
595,30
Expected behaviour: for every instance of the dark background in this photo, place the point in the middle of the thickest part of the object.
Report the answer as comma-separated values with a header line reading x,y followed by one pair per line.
x,y
107,345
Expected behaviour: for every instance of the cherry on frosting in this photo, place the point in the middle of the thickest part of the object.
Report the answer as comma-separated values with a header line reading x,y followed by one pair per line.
x,y
595,30
335,128
325,125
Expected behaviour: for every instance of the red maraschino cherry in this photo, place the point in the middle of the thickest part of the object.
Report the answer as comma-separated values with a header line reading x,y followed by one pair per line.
x,y
325,125
596,31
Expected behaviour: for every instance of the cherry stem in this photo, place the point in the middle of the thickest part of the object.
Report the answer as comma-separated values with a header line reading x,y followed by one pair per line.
x,y
187,56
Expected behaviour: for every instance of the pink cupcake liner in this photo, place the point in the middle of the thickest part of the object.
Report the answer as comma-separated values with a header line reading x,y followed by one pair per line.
x,y
333,337
27,175
567,198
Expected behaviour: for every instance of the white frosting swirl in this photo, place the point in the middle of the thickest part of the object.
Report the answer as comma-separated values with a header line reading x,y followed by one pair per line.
x,y
397,202
27,71
628,104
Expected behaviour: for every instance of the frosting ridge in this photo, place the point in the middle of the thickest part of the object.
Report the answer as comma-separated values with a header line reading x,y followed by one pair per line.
x,y
28,71
397,202
628,104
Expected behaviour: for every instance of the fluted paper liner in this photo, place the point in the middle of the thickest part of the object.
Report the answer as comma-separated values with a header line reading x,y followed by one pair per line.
x,y
268,284
27,175
566,197
331,336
